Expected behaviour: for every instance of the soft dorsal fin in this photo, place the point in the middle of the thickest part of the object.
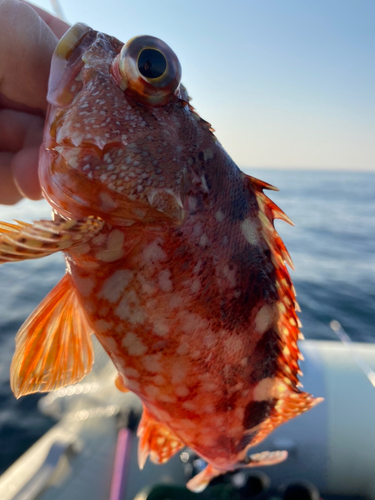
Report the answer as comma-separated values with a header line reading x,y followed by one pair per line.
x,y
23,241
53,347
291,404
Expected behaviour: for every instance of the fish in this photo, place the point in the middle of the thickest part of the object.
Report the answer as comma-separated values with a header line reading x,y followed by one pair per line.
x,y
172,260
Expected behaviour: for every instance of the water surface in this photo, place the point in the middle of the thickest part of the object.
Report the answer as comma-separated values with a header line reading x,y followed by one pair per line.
x,y
332,246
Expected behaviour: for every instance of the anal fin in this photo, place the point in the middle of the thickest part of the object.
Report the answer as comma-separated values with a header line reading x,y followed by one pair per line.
x,y
53,347
22,241
156,440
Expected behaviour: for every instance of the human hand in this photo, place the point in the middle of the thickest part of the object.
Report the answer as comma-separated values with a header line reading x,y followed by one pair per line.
x,y
28,37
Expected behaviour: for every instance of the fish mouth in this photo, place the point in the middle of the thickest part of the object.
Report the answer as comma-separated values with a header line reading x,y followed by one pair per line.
x,y
72,195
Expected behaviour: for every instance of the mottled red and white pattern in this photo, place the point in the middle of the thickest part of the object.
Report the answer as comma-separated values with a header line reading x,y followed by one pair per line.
x,y
185,285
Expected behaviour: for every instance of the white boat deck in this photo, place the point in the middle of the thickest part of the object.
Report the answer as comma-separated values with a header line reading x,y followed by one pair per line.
x,y
331,446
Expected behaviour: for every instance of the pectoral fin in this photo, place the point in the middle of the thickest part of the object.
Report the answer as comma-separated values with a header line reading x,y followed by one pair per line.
x,y
23,241
53,347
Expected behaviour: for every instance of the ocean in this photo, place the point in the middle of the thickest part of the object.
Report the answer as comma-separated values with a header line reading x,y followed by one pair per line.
x,y
332,246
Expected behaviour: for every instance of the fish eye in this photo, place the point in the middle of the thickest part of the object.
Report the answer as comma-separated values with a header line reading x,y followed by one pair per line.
x,y
151,63
148,71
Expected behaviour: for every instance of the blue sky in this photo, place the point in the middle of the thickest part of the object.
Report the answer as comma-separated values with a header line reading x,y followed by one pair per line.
x,y
285,83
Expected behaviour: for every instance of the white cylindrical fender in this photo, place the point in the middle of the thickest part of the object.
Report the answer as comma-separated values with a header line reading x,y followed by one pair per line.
x,y
350,400
333,445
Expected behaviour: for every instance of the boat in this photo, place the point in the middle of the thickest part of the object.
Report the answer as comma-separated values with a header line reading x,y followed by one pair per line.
x,y
91,452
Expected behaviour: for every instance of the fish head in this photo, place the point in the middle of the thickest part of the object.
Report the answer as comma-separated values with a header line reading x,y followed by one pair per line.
x,y
120,129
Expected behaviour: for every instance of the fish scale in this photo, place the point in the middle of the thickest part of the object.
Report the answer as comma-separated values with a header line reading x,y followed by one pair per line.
x,y
173,261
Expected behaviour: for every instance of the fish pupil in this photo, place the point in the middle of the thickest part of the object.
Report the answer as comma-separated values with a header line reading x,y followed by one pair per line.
x,y
151,63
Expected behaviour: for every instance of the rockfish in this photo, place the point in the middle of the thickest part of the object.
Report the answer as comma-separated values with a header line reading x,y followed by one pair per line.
x,y
172,260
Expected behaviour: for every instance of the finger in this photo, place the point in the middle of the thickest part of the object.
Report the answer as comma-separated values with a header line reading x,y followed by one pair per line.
x,y
26,48
18,130
9,194
57,26
25,172
6,103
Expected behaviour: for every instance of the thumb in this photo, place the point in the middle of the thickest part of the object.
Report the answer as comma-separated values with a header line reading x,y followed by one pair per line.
x,y
26,48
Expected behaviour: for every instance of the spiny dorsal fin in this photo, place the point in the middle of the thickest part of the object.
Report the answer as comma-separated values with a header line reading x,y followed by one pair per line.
x,y
269,208
260,185
288,323
273,211
53,347
23,241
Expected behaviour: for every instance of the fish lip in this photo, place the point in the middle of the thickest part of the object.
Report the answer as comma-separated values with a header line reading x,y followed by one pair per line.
x,y
67,63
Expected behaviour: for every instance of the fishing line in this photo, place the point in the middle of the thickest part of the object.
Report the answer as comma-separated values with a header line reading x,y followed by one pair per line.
x,y
348,343
57,10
